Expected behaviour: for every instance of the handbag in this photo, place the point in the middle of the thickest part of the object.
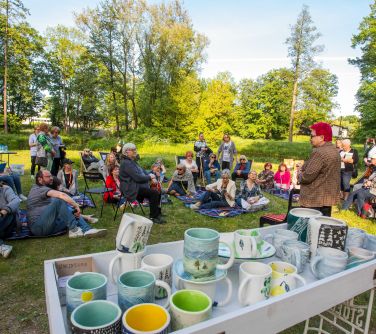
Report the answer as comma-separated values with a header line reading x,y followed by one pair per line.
x,y
41,161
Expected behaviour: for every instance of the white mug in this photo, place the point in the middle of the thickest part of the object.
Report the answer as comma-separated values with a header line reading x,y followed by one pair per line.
x,y
356,237
359,256
284,278
279,236
328,261
246,242
255,281
210,288
160,265
123,262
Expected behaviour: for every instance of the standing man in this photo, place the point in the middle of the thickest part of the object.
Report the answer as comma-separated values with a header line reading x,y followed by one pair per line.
x,y
33,150
134,183
320,175
202,153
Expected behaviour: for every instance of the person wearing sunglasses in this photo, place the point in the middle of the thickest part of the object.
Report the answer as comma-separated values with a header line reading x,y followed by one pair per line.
x,y
181,183
242,169
320,177
211,168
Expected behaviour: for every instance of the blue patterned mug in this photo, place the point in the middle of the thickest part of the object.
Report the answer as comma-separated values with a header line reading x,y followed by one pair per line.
x,y
138,287
201,252
295,252
328,261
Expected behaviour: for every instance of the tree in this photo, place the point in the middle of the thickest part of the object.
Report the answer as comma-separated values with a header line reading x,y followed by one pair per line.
x,y
301,50
366,95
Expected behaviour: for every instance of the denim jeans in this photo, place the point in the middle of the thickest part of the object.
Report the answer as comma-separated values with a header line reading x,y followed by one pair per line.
x,y
12,181
55,218
7,224
212,200
360,196
345,181
208,175
176,187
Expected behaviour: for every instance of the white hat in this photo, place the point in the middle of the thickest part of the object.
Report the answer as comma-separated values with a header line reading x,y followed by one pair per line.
x,y
128,146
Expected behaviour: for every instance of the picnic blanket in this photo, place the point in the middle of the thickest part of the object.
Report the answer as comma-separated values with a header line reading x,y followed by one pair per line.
x,y
83,200
25,231
222,212
190,200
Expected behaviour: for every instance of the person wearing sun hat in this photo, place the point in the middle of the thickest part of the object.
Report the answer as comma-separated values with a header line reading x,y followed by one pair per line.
x,y
320,178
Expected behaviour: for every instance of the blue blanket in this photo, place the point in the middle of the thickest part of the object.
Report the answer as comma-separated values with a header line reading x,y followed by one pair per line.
x,y
82,200
193,199
222,212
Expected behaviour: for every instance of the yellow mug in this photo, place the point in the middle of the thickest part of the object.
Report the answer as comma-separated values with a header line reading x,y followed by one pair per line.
x,y
284,277
146,318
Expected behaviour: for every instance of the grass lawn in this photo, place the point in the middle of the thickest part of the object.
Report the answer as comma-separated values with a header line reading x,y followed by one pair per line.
x,y
22,303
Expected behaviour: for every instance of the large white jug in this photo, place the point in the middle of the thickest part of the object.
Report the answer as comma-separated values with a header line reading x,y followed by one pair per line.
x,y
133,233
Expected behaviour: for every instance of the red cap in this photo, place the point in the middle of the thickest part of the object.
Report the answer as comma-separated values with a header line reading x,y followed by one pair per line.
x,y
323,129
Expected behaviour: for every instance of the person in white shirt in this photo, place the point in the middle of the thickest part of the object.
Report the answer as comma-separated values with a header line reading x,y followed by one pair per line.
x,y
33,150
191,165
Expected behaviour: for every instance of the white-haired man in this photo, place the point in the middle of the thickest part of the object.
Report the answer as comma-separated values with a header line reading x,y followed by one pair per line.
x,y
134,183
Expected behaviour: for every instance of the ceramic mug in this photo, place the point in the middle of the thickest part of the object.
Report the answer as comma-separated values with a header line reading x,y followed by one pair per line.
x,y
358,256
254,282
297,221
210,288
247,243
123,262
137,287
201,252
96,317
160,265
189,307
284,277
296,253
356,237
370,243
326,232
279,236
328,261
85,287
133,233
146,318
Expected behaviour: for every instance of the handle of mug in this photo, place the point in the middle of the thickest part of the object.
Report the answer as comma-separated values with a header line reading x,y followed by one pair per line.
x,y
165,286
268,236
241,295
229,293
298,258
131,223
300,278
111,268
254,247
314,262
230,261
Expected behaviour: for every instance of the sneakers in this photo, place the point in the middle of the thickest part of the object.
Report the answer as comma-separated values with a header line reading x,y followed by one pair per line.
x,y
196,206
75,233
5,250
134,204
22,197
95,233
90,219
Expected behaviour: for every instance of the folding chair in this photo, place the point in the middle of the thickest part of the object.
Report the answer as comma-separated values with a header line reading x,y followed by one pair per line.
x,y
82,165
95,177
276,219
103,155
179,159
125,204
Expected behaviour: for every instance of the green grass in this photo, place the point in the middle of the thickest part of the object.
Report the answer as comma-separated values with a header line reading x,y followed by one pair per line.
x,y
22,302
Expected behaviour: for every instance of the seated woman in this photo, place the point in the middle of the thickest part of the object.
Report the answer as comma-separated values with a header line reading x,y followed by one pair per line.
x,y
156,170
181,183
266,178
242,169
163,169
109,164
249,190
191,165
219,194
282,178
113,182
68,178
211,168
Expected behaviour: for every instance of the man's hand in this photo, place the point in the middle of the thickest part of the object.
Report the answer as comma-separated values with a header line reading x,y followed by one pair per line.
x,y
3,212
77,211
238,172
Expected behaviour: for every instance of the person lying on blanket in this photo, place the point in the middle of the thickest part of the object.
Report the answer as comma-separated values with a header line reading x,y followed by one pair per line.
x,y
249,190
181,183
219,194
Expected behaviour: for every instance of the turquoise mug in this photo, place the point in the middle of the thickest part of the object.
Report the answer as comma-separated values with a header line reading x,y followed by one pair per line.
x,y
137,287
298,219
359,256
96,317
201,252
85,287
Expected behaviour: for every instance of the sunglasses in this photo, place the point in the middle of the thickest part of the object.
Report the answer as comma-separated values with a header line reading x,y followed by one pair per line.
x,y
242,159
179,168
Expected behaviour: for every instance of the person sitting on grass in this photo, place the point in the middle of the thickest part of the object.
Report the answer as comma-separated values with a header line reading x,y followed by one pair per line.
x,y
181,183
9,205
282,178
242,169
13,181
191,165
113,183
211,168
134,183
249,190
266,178
48,212
68,178
219,194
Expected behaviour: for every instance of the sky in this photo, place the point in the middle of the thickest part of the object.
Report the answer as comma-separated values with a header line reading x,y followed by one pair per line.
x,y
247,37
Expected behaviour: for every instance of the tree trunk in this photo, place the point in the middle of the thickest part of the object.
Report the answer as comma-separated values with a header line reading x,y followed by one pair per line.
x,y
292,112
6,68
134,110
